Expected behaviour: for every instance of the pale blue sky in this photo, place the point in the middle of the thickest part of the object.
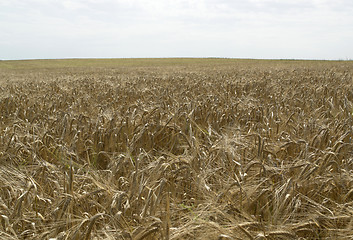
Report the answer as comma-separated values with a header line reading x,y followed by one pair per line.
x,y
301,29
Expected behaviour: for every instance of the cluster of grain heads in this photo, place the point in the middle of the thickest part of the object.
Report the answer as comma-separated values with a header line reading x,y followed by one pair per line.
x,y
241,152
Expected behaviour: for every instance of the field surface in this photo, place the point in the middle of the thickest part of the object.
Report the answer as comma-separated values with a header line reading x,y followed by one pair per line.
x,y
176,149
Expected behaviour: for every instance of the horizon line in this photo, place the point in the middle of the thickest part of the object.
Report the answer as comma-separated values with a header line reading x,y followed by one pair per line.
x,y
151,58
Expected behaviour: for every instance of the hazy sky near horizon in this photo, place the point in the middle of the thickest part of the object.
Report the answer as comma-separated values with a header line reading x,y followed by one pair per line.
x,y
300,29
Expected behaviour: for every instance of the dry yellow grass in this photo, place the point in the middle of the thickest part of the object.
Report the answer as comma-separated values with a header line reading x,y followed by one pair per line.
x,y
176,149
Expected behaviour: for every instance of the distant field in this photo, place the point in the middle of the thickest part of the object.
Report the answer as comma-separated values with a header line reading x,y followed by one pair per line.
x,y
108,63
176,149
145,62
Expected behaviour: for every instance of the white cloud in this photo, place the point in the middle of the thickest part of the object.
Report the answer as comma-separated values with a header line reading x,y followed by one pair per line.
x,y
73,5
165,28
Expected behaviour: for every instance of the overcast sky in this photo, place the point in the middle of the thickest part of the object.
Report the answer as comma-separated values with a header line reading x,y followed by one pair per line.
x,y
300,29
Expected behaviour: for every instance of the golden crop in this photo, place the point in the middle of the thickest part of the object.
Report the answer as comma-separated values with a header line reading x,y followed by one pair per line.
x,y
176,149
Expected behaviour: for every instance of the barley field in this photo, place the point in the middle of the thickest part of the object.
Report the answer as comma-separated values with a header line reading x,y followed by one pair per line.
x,y
176,149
